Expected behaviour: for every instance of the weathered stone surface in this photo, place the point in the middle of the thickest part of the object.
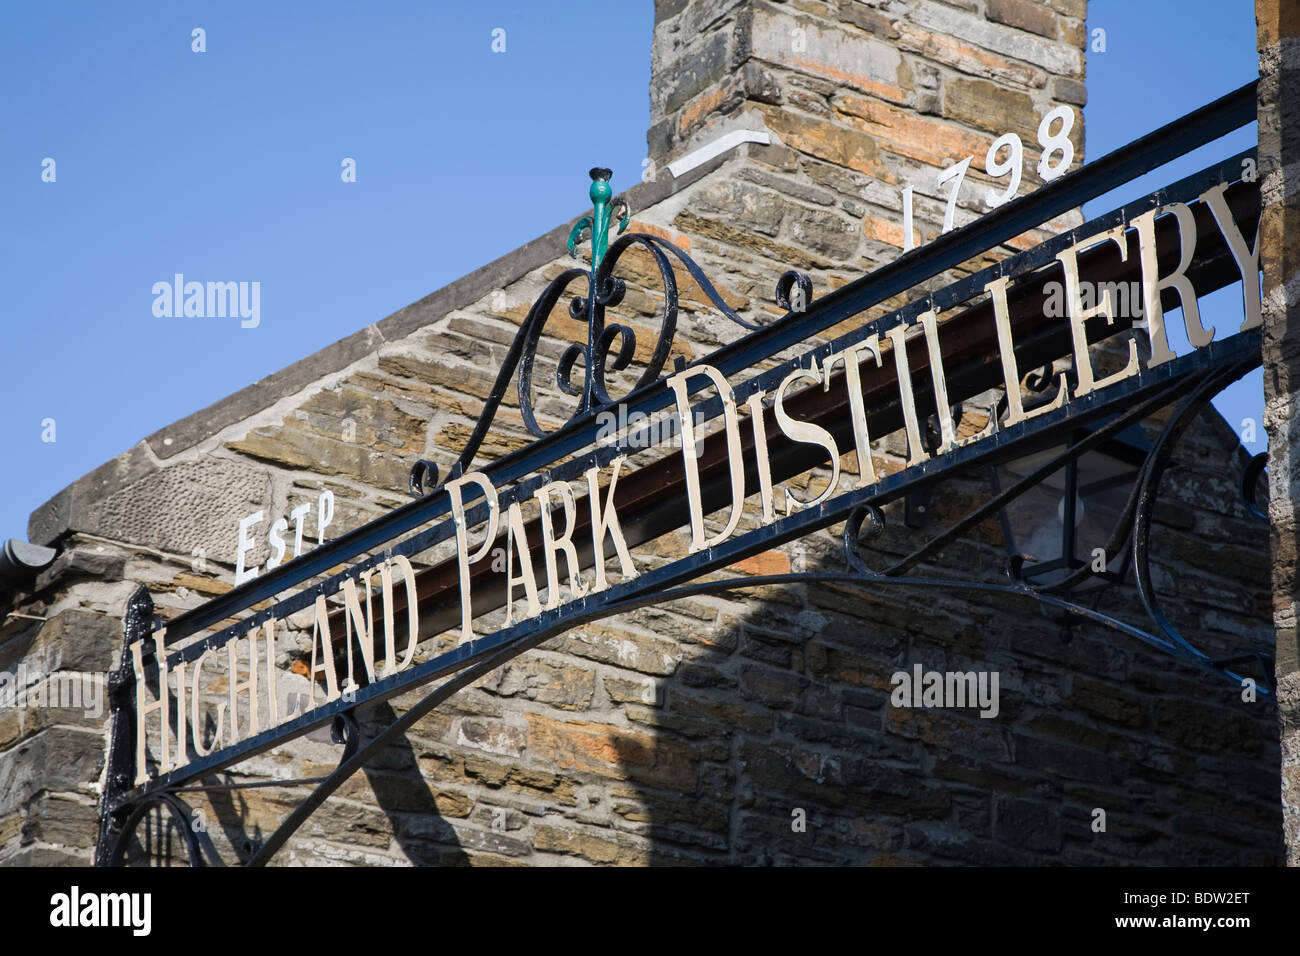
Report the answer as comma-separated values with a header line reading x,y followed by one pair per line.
x,y
66,511
76,562
1032,825
1052,56
779,252
297,447
865,18
45,856
827,233
612,751
848,59
186,506
791,187
638,652
1023,15
79,640
1108,703
971,59
1070,91
1070,8
1278,41
749,206
826,140
646,806
59,758
985,106
926,140
690,75
1196,726
494,736
52,818
630,690
595,849
565,687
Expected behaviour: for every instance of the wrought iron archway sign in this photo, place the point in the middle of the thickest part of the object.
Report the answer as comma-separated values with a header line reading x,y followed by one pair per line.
x,y
905,371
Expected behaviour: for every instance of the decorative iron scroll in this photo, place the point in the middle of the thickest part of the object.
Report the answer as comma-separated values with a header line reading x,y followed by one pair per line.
x,y
598,356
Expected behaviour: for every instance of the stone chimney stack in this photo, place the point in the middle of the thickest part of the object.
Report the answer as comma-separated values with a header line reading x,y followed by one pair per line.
x,y
881,92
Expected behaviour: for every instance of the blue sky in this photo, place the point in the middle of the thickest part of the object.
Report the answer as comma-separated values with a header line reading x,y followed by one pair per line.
x,y
1163,59
225,166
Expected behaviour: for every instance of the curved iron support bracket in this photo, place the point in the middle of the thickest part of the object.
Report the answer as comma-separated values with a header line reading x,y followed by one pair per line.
x,y
1250,475
345,730
794,291
198,844
1149,485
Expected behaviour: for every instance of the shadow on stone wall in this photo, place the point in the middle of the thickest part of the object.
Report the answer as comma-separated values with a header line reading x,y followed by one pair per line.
x,y
774,741
412,806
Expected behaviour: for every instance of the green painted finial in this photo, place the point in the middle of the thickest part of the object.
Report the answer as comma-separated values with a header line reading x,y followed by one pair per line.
x,y
601,194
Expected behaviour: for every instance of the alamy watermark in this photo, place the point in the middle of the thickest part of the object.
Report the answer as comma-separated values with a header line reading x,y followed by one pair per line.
x,y
637,430
37,687
211,300
1123,300
77,909
922,688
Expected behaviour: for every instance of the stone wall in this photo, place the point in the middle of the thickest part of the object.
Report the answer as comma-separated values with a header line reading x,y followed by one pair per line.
x,y
697,731
872,97
1278,25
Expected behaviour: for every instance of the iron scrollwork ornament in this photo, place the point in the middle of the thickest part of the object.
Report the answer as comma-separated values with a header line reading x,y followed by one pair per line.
x,y
608,348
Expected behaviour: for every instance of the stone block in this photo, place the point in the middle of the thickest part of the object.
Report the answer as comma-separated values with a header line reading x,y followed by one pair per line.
x,y
187,506
986,106
1023,15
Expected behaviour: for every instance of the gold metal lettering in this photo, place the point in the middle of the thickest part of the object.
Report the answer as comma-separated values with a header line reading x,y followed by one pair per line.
x,y
690,456
1069,259
515,533
463,556
142,710
1247,258
552,545
1153,284
604,520
809,433
857,405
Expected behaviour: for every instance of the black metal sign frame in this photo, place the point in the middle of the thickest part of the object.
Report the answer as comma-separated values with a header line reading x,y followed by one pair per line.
x,y
1187,382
